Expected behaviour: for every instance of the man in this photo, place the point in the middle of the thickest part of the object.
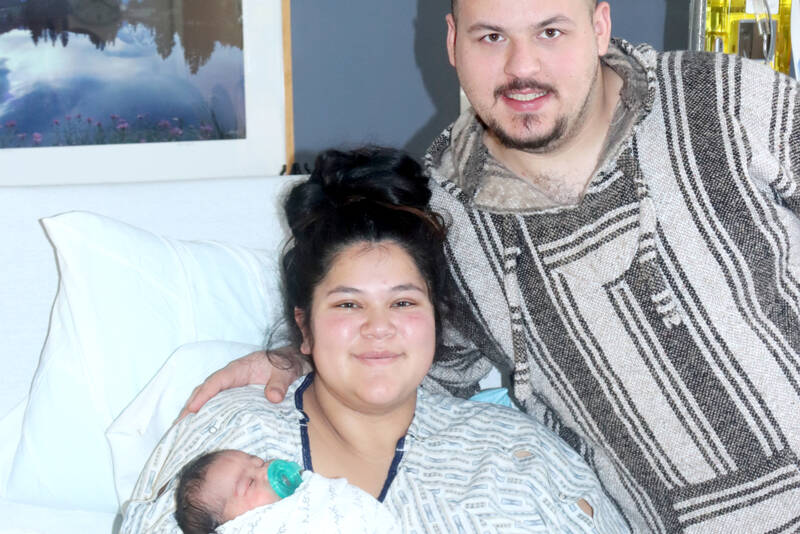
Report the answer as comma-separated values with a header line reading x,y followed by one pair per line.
x,y
626,239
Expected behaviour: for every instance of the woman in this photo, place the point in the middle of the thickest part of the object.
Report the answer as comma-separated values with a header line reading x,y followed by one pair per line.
x,y
365,291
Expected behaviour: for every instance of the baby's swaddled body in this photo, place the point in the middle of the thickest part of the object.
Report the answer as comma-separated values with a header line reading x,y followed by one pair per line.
x,y
318,505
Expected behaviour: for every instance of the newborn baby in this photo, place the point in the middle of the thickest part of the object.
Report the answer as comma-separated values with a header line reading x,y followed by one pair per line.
x,y
230,491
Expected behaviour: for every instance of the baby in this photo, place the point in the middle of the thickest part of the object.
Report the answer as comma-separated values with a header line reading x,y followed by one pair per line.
x,y
220,486
230,492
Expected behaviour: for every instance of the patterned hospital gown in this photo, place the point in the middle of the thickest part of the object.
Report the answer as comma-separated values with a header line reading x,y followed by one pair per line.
x,y
463,467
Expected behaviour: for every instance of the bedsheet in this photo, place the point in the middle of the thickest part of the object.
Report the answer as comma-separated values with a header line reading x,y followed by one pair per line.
x,y
28,519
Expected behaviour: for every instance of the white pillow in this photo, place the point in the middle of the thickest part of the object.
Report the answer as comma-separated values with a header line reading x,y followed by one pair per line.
x,y
138,429
127,299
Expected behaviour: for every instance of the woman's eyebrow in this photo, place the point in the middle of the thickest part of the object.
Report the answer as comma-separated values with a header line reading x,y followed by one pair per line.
x,y
354,290
343,289
408,287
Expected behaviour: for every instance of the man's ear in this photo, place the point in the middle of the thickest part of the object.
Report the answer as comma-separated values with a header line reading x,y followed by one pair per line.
x,y
601,22
300,319
451,38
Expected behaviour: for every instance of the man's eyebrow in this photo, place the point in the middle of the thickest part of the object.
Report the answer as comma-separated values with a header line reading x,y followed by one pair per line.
x,y
485,26
558,19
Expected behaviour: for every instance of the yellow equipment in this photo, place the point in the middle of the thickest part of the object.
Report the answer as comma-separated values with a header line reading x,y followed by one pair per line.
x,y
758,29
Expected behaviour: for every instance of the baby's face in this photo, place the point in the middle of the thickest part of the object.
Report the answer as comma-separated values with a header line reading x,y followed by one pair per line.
x,y
239,481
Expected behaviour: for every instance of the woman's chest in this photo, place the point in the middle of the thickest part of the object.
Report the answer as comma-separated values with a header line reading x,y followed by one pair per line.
x,y
447,488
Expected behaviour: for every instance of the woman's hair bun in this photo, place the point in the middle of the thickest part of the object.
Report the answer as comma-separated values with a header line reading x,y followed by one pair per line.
x,y
370,174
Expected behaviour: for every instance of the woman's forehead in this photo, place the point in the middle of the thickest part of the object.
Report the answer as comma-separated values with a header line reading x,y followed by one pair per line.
x,y
366,266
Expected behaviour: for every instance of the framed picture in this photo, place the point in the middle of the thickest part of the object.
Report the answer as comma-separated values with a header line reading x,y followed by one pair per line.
x,y
142,90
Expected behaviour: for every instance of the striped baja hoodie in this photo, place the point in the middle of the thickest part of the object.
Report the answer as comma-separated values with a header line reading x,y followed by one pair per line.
x,y
655,326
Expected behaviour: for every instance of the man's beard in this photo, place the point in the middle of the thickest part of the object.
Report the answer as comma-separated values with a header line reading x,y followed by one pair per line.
x,y
545,142
528,144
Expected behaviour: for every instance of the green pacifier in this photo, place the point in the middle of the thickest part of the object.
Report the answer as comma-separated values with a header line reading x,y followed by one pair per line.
x,y
284,477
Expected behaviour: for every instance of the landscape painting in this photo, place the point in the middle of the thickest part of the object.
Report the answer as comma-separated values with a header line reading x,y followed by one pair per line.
x,y
99,72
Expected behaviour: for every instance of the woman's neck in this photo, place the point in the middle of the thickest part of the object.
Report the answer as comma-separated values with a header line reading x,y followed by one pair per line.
x,y
361,429
351,442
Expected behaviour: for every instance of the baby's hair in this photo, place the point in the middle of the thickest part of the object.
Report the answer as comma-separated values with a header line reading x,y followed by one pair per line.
x,y
194,513
369,195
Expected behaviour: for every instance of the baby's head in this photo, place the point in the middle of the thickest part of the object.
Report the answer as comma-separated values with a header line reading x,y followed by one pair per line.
x,y
219,486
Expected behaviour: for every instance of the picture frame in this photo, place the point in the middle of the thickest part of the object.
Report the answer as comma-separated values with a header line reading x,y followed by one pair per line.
x,y
264,151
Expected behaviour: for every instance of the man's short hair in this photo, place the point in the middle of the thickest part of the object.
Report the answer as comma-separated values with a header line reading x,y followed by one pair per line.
x,y
454,3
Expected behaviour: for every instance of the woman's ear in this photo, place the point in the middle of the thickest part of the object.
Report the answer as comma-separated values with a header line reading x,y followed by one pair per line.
x,y
300,319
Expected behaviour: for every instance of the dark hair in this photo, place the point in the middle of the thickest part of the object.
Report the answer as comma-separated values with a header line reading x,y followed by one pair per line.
x,y
454,4
193,513
371,195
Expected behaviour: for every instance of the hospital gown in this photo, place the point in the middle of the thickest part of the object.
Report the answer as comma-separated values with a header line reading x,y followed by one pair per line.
x,y
463,467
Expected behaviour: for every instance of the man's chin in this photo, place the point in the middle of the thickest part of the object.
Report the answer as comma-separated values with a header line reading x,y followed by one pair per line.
x,y
527,140
529,143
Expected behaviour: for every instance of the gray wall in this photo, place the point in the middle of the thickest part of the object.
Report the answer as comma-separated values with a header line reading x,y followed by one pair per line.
x,y
376,71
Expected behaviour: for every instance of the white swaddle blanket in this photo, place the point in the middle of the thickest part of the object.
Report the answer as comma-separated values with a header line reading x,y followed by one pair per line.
x,y
318,505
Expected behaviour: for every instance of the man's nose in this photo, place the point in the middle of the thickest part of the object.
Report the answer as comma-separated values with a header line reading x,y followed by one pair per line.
x,y
522,60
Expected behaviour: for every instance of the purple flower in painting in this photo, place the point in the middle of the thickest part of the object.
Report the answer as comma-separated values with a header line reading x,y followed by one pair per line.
x,y
22,136
78,116
139,116
56,122
68,117
114,116
37,138
176,132
164,124
122,125
205,131
11,124
89,120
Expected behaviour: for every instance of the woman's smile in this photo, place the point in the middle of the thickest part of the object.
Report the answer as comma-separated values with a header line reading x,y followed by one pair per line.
x,y
378,357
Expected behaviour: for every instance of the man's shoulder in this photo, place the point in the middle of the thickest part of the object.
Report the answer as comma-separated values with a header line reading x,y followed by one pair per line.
x,y
698,69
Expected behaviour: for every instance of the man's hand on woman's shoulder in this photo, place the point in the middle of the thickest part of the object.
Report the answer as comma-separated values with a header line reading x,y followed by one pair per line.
x,y
255,368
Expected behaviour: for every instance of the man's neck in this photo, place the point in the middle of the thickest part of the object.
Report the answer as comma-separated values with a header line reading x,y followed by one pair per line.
x,y
563,173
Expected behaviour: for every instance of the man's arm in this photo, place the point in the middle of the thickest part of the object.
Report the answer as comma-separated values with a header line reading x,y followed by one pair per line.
x,y
458,367
770,118
460,364
466,354
276,371
467,351
792,195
